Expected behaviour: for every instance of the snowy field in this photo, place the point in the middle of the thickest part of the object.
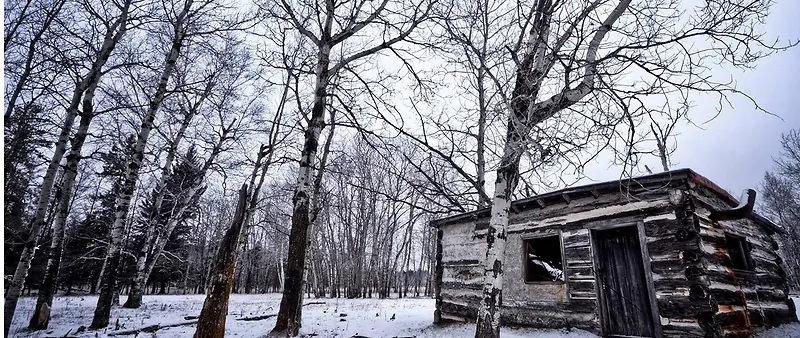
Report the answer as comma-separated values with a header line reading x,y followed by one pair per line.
x,y
335,318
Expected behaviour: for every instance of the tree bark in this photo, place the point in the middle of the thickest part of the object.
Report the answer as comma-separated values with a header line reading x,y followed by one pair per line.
x,y
313,220
488,324
211,323
131,175
111,38
526,113
49,285
298,237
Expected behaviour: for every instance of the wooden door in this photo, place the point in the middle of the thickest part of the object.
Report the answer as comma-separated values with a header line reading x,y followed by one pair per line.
x,y
624,299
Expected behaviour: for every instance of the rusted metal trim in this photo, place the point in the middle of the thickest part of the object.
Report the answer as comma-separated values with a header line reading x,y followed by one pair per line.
x,y
743,210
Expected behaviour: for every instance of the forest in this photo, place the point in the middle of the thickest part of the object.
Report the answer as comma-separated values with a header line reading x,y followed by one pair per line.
x,y
302,147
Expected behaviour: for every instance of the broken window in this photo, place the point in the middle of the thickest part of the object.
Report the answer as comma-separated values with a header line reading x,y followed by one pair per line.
x,y
739,250
543,262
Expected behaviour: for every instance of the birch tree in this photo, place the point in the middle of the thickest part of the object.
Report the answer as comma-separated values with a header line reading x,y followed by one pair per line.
x,y
108,286
781,202
593,68
44,301
341,25
228,69
116,28
215,307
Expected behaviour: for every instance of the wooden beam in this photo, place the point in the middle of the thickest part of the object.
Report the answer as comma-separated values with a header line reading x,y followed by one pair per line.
x,y
565,196
515,208
595,193
541,203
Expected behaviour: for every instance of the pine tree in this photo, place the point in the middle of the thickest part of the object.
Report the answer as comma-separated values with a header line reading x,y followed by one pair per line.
x,y
86,240
23,135
84,248
186,175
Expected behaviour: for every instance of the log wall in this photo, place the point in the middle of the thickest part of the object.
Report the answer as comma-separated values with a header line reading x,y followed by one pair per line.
x,y
693,286
744,302
572,303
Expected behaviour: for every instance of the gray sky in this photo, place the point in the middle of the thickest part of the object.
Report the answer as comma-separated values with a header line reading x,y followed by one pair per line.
x,y
736,149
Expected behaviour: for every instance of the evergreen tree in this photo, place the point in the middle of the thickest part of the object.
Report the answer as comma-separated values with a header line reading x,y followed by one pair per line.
x,y
84,248
24,136
186,174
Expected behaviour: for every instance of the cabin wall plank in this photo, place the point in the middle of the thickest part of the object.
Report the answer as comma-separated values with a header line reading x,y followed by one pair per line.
x,y
697,293
746,301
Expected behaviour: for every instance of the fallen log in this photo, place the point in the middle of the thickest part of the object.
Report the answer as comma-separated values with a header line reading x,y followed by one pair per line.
x,y
150,328
249,319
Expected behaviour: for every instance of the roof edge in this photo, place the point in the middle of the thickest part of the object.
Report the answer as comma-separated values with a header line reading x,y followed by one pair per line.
x,y
671,175
677,174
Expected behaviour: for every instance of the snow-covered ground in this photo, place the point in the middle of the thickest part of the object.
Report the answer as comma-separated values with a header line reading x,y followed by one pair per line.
x,y
789,331
335,318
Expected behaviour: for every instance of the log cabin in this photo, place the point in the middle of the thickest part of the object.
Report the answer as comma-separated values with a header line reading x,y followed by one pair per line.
x,y
665,255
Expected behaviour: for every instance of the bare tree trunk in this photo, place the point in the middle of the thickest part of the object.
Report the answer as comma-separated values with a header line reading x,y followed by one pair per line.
x,y
44,302
480,152
211,323
131,175
297,320
134,300
526,113
186,277
298,237
156,247
111,38
489,312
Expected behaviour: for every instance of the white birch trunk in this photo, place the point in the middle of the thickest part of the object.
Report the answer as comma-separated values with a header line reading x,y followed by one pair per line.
x,y
156,247
525,114
131,175
111,38
298,238
134,300
48,287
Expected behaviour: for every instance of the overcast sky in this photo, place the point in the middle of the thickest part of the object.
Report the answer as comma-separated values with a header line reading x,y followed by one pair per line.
x,y
736,149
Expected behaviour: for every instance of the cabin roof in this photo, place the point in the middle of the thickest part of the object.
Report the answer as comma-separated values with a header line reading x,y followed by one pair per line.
x,y
667,177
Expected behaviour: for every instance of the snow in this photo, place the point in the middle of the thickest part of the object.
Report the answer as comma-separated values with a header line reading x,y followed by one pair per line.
x,y
334,318
796,300
785,331
365,317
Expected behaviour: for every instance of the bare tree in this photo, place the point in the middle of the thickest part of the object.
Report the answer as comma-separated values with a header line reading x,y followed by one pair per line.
x,y
662,124
215,308
575,66
44,302
108,286
230,72
31,58
781,202
352,21
115,29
